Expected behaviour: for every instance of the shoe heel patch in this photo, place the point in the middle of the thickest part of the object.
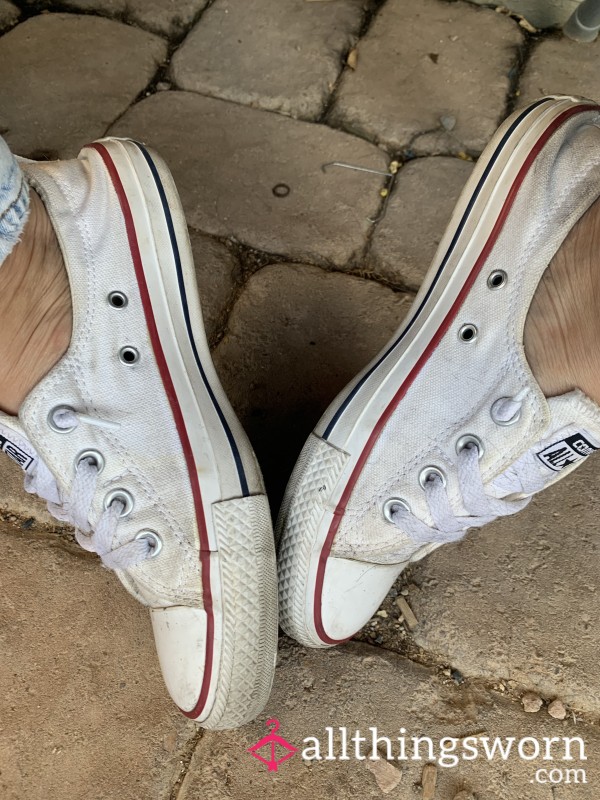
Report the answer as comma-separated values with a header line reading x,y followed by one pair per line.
x,y
559,455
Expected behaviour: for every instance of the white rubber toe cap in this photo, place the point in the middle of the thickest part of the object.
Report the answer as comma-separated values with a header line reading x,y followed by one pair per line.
x,y
352,593
180,634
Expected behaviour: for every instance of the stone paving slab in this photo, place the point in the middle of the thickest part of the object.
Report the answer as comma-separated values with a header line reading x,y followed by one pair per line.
x,y
67,77
294,339
230,162
518,600
170,17
357,687
540,13
83,712
561,66
420,207
431,76
284,56
9,14
218,272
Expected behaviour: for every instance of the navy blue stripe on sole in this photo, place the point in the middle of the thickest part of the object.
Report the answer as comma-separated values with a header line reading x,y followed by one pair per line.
x,y
184,302
336,417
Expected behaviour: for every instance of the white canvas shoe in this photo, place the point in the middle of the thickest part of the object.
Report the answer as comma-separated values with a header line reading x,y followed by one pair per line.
x,y
131,439
447,428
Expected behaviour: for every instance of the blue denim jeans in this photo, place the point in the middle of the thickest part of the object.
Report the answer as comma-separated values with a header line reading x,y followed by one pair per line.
x,y
14,201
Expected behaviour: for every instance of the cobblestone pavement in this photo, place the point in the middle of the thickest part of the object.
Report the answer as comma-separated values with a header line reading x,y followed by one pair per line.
x,y
311,270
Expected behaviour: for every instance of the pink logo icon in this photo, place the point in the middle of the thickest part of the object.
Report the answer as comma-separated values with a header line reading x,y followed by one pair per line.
x,y
272,746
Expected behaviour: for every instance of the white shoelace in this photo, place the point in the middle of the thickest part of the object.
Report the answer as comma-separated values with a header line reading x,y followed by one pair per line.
x,y
75,509
481,507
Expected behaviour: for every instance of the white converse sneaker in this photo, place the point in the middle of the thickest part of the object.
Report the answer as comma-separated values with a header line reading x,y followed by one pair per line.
x,y
132,440
447,428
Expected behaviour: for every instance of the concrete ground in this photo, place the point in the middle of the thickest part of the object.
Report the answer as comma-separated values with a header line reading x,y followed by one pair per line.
x,y
304,274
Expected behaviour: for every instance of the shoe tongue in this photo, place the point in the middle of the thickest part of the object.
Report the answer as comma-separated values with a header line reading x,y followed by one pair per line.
x,y
16,445
573,434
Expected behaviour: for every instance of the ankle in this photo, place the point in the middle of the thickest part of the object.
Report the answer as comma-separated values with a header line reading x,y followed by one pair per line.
x,y
35,308
562,329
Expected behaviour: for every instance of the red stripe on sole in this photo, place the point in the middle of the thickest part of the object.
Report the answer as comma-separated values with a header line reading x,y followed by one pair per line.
x,y
179,421
440,333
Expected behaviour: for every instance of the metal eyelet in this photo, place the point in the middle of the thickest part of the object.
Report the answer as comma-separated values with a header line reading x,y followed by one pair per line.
x,y
427,473
467,333
118,299
389,506
129,355
52,423
154,539
504,423
497,279
91,455
467,440
120,496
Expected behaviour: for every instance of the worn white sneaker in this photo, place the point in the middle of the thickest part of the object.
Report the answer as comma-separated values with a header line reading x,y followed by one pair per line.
x,y
447,428
132,440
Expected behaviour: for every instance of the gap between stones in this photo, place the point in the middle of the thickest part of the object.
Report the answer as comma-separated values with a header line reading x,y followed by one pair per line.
x,y
370,14
185,759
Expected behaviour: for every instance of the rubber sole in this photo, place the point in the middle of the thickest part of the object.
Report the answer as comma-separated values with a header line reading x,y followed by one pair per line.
x,y
317,495
234,532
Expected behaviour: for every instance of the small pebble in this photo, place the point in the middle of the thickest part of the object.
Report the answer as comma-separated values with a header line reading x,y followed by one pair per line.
x,y
531,703
352,59
448,122
383,614
557,709
387,775
524,23
407,612
428,781
457,677
162,86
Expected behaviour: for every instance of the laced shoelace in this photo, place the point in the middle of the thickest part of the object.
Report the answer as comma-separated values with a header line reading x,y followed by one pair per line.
x,y
76,507
480,506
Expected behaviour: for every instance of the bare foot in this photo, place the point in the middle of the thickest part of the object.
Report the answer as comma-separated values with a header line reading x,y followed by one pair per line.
x,y
562,330
35,309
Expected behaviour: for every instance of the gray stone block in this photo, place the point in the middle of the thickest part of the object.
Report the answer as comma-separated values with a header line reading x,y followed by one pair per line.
x,y
167,17
218,273
284,56
432,77
66,78
257,177
9,14
562,66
